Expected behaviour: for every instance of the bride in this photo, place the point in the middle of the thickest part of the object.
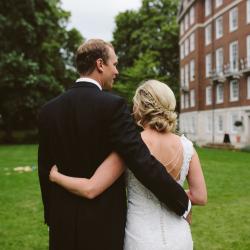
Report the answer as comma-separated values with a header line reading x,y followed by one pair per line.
x,y
150,224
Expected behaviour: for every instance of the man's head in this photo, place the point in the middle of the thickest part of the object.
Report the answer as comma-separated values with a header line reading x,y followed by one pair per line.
x,y
97,59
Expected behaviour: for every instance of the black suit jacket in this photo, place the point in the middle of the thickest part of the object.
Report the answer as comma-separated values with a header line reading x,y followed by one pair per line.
x,y
78,130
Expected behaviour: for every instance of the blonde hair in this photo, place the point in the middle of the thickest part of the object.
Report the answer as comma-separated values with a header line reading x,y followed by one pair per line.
x,y
154,105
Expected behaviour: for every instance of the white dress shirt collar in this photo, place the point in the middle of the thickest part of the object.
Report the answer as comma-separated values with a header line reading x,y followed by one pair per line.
x,y
86,79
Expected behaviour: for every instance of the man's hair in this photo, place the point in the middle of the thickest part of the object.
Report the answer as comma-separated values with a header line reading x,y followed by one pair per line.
x,y
89,52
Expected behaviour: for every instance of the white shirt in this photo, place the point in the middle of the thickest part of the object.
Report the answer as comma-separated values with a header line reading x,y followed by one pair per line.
x,y
86,79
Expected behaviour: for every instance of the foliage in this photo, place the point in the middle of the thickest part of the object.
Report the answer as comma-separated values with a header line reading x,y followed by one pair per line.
x,y
146,44
224,223
35,58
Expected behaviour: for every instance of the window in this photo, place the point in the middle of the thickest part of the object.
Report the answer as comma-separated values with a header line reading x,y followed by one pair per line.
x,y
208,32
209,124
192,15
186,22
219,27
219,60
186,47
182,77
234,118
208,95
218,3
233,56
248,87
182,51
192,128
219,93
248,11
234,90
192,98
181,28
207,7
182,101
248,51
219,123
186,76
233,19
186,100
208,64
192,42
192,65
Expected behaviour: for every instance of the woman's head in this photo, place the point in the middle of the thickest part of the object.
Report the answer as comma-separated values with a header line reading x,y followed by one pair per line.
x,y
154,105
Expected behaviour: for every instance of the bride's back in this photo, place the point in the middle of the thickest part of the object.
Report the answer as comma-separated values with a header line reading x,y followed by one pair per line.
x,y
150,224
166,148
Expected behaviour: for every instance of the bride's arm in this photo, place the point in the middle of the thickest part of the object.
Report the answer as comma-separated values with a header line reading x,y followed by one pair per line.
x,y
197,192
105,175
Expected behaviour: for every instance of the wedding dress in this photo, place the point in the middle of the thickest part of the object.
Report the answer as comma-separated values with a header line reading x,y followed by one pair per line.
x,y
150,224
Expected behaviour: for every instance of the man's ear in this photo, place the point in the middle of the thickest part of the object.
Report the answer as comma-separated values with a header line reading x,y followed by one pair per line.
x,y
99,65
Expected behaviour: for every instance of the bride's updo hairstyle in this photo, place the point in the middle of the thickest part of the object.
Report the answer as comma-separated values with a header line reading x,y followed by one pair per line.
x,y
154,105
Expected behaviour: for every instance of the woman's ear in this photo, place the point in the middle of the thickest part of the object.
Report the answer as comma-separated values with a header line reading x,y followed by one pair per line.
x,y
99,65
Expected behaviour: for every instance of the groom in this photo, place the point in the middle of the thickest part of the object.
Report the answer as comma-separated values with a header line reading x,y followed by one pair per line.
x,y
78,130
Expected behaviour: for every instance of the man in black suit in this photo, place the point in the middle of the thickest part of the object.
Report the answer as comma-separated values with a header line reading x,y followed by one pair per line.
x,y
78,130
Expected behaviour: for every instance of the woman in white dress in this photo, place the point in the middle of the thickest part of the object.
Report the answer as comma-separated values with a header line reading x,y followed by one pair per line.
x,y
150,224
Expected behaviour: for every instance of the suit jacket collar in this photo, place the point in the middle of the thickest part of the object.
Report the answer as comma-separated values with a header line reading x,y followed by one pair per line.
x,y
85,84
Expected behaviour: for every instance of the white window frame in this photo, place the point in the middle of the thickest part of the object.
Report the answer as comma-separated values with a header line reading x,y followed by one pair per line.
x,y
186,81
192,98
248,51
248,11
234,98
234,117
182,101
186,22
182,77
208,34
218,3
208,95
186,50
219,27
234,56
181,28
220,124
192,70
208,64
233,19
208,7
186,100
192,15
248,87
219,93
192,127
192,42
182,49
219,56
209,124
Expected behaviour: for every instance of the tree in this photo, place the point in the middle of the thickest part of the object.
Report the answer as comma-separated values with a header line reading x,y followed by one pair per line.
x,y
36,58
146,44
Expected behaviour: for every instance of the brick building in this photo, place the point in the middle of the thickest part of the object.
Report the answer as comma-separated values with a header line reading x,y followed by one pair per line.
x,y
215,70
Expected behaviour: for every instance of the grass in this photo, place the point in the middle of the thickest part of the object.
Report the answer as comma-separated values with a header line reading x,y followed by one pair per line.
x,y
223,224
21,226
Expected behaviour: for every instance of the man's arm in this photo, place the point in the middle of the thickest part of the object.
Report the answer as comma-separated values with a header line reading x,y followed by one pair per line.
x,y
127,141
44,165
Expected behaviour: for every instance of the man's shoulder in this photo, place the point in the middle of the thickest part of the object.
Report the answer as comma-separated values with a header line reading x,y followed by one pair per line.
x,y
110,97
50,104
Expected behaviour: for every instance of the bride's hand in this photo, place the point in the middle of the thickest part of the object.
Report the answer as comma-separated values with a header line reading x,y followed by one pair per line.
x,y
53,173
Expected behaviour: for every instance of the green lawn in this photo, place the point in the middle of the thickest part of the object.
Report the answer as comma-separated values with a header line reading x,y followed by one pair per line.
x,y
223,224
